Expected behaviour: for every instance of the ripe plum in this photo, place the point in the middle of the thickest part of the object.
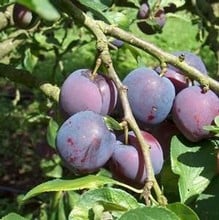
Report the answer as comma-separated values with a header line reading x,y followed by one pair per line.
x,y
150,95
23,17
84,142
193,109
127,162
150,22
82,91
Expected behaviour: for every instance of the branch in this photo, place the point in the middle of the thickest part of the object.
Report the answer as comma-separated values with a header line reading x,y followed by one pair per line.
x,y
24,77
162,56
102,46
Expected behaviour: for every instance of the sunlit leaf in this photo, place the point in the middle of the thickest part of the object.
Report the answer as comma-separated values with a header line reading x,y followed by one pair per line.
x,y
184,212
114,200
13,216
87,182
195,163
150,213
44,8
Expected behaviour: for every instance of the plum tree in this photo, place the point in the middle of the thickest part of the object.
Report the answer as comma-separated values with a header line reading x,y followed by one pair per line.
x,y
192,109
83,91
84,142
150,22
127,161
23,17
151,101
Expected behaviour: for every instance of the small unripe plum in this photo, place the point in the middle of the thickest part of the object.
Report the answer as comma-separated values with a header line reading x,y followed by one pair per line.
x,y
117,43
149,22
193,108
150,95
84,142
127,161
23,17
83,91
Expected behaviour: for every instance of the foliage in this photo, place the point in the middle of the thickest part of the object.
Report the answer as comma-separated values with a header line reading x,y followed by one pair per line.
x,y
34,62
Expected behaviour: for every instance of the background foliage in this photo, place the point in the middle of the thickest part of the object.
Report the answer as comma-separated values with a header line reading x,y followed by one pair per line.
x,y
29,120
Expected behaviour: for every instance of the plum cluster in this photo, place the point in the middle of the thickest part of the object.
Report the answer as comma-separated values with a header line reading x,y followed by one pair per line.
x,y
84,141
164,103
174,97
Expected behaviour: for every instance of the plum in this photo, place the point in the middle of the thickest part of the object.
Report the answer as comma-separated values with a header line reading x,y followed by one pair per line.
x,y
82,91
127,161
150,95
23,17
192,109
164,133
149,22
179,81
84,142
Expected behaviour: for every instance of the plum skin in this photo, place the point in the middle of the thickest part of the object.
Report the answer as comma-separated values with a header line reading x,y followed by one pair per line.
x,y
150,95
81,91
150,24
127,161
84,142
193,109
23,17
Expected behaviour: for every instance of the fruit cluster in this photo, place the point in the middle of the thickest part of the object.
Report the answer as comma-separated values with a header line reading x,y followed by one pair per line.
x,y
163,104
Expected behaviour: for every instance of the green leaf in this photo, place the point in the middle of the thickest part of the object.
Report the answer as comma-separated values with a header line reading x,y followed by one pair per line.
x,y
177,3
30,60
135,2
112,124
96,7
110,199
207,203
87,182
13,216
211,128
195,164
51,132
182,211
44,8
52,168
150,213
216,120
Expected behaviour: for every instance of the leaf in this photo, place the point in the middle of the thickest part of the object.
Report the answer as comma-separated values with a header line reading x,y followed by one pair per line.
x,y
97,8
18,75
113,200
207,203
30,60
135,2
13,216
44,8
112,124
182,211
150,213
195,164
51,132
216,121
87,182
177,3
